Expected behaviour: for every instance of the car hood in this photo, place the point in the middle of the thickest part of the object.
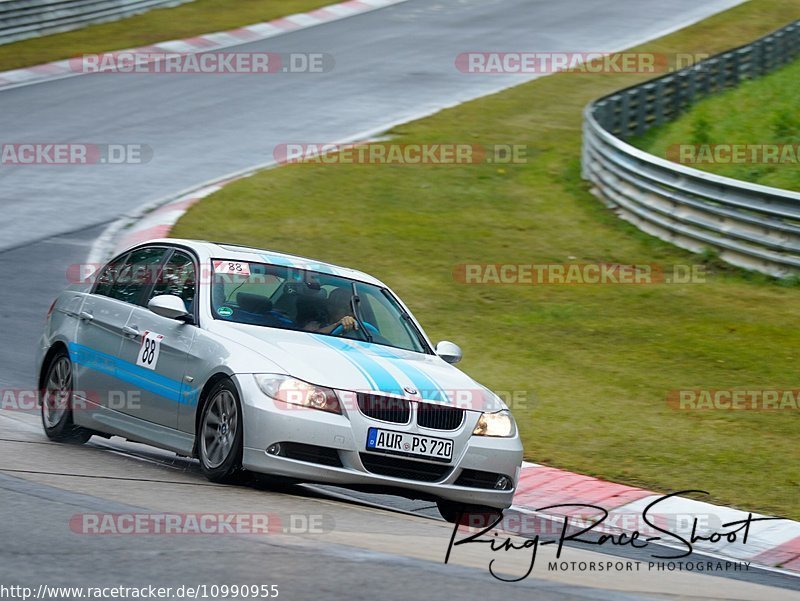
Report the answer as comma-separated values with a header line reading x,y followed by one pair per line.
x,y
355,365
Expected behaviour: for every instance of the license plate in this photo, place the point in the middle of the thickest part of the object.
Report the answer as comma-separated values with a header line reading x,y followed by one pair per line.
x,y
412,445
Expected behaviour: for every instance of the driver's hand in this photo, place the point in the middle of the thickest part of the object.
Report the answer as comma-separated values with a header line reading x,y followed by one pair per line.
x,y
348,323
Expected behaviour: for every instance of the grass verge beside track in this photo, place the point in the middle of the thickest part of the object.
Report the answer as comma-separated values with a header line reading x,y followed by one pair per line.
x,y
762,111
159,25
597,362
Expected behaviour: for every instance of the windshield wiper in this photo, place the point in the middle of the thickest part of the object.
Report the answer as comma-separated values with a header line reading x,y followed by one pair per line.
x,y
407,318
355,302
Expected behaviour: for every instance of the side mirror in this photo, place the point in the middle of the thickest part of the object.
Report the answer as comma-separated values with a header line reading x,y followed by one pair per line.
x,y
449,351
169,306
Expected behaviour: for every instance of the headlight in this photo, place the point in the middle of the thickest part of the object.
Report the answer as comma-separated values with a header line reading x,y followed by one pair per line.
x,y
296,392
495,424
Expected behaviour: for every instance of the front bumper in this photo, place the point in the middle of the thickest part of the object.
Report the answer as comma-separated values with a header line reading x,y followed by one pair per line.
x,y
267,423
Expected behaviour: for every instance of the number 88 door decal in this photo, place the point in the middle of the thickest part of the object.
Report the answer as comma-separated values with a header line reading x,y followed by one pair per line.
x,y
148,352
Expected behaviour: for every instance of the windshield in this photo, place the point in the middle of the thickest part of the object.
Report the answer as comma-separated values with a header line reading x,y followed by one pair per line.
x,y
275,296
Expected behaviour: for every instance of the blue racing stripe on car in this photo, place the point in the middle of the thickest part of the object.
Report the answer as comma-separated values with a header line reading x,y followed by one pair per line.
x,y
370,380
427,387
367,377
141,377
278,260
382,380
318,267
298,263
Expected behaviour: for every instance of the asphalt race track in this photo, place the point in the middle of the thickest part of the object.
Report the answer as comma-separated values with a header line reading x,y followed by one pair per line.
x,y
392,65
356,550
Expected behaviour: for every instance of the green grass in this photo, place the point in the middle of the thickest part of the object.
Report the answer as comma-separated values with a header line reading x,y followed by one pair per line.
x,y
596,361
760,111
185,21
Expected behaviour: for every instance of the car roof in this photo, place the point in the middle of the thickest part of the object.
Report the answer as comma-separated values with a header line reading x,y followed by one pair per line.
x,y
237,252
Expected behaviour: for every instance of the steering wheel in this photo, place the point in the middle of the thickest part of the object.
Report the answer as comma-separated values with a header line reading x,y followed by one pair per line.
x,y
370,328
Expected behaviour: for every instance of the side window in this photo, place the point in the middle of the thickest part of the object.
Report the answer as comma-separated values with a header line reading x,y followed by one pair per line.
x,y
178,277
108,275
137,273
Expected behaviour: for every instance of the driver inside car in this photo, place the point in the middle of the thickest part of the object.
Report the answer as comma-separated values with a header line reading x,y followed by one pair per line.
x,y
338,313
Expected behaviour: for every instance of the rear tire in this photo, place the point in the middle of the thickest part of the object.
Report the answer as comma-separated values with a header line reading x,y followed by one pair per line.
x,y
56,403
468,515
220,434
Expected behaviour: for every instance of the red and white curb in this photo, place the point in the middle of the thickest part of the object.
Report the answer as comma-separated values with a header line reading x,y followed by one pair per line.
x,y
203,43
771,544
151,221
159,222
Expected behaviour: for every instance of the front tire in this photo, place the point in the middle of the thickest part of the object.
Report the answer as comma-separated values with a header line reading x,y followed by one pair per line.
x,y
220,434
56,403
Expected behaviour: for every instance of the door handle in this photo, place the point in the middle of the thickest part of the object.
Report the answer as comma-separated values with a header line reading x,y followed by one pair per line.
x,y
86,316
130,332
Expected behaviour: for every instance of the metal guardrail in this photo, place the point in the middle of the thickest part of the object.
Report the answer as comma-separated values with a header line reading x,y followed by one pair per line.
x,y
749,225
21,19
